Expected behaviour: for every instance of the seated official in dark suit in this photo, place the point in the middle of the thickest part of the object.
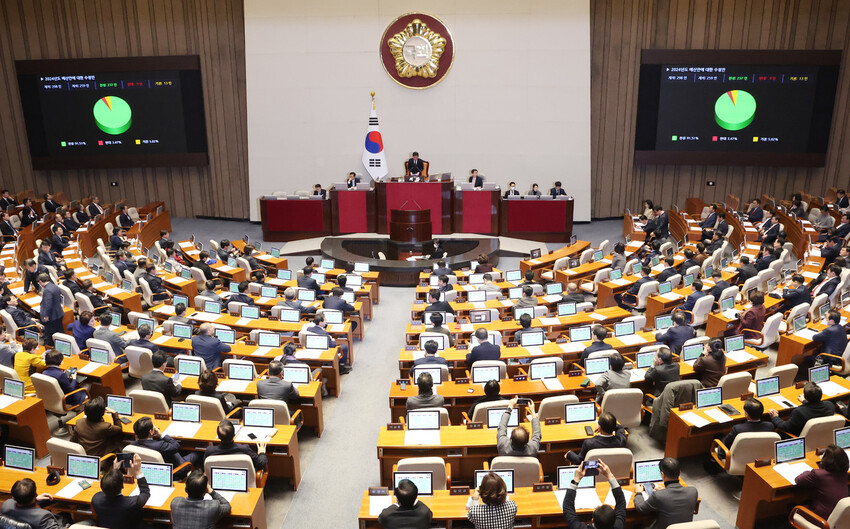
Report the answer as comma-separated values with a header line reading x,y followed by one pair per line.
x,y
25,506
525,328
319,327
746,270
28,214
407,513
753,410
633,290
21,318
833,340
798,293
194,511
437,326
46,257
124,218
671,504
484,350
144,332
157,381
31,271
67,383
155,283
676,336
669,270
609,434
755,214
59,241
474,179
203,266
599,334
720,285
226,433
492,392
689,262
352,180
307,281
206,345
572,295
335,302
6,200
290,302
317,190
275,387
528,299
241,296
663,371
692,298
148,436
557,190
430,347
95,208
442,269
811,408
113,509
830,282
415,167
9,232
443,284
426,397
512,190
435,305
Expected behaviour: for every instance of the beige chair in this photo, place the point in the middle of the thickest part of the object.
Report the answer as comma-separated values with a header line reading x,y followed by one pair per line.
x,y
58,449
12,327
769,332
211,409
786,374
802,518
503,368
699,315
551,407
148,402
256,479
246,363
198,276
647,289
444,372
559,362
103,344
619,460
819,300
746,448
527,470
625,404
592,287
134,316
8,372
140,360
67,297
442,475
444,415
281,410
480,413
699,524
734,384
55,400
84,303
560,264
75,348
818,432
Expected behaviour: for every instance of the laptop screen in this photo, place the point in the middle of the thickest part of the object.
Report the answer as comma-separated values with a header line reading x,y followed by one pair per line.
x,y
655,260
799,323
234,287
709,397
229,479
484,374
644,360
127,285
727,303
542,370
258,417
348,296
327,264
435,372
85,467
691,351
554,288
186,273
734,343
268,339
598,255
285,275
423,420
98,355
320,278
790,450
636,268
513,275
181,411
146,321
580,412
13,388
688,280
442,341
240,371
352,280
476,279
648,471
62,346
424,480
665,287
566,309
249,311
30,334
290,315
771,285
842,437
506,475
494,417
333,317
819,374
477,296
157,474
708,271
532,339
663,322
181,330
479,316
823,310
580,334
296,374
274,252
122,405
515,293
178,299
615,275
594,366
116,319
232,262
19,457
109,277
624,328
226,336
306,295
361,267
767,386
566,475
268,292
316,341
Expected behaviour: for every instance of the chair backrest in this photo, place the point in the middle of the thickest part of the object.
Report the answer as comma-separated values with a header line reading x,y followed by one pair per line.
x,y
702,308
211,409
48,389
247,363
527,470
102,344
818,432
625,404
646,290
734,385
819,300
748,447
771,330
640,321
480,413
675,280
243,263
132,279
75,348
605,247
83,302
281,410
840,517
786,373
145,454
553,406
426,464
140,360
148,402
233,461
8,372
59,450
559,362
67,297
503,368
197,274
561,263
619,460
134,316
11,326
698,524
586,256
147,293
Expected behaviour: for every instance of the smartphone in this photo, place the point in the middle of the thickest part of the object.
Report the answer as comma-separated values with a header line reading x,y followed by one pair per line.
x,y
252,436
125,420
591,468
523,401
71,371
84,484
585,383
588,430
125,458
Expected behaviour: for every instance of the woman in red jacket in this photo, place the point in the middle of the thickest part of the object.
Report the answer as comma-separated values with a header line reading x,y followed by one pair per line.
x,y
828,483
752,319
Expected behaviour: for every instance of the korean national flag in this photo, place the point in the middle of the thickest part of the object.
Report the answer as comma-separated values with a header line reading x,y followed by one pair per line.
x,y
373,149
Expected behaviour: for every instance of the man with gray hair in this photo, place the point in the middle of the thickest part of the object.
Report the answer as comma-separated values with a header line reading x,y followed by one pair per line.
x,y
275,387
291,302
207,346
484,350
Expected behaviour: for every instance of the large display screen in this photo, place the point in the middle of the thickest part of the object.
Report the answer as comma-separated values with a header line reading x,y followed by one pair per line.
x,y
728,107
128,112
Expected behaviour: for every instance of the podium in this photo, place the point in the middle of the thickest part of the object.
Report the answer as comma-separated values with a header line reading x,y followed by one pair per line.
x,y
410,226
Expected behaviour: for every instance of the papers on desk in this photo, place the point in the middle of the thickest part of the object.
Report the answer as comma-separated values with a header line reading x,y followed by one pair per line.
x,y
159,495
552,298
632,339
226,494
205,316
228,269
671,296
378,503
130,336
159,340
658,268
17,291
185,244
261,351
806,334
621,282
6,400
730,314
595,316
534,261
572,347
637,375
830,388
690,362
467,327
275,281
570,271
422,437
507,303
609,499
182,429
740,356
70,490
809,275
753,247
468,288
534,350
241,322
594,378
694,419
308,354
479,305
261,300
606,261
782,402
166,309
586,499
336,327
263,256
417,354
89,368
232,386
718,415
552,384
790,471
259,433
550,321
113,291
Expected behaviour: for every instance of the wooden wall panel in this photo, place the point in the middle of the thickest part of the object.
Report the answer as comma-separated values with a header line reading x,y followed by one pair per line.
x,y
60,29
620,29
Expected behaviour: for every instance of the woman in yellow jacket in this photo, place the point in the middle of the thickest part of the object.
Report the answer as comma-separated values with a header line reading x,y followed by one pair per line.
x,y
25,360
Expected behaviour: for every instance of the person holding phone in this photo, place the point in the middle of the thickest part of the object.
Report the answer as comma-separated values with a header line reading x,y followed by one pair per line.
x,y
609,434
113,509
518,444
67,379
604,517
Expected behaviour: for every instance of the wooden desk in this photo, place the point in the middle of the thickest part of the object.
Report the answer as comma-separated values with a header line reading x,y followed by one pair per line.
x,y
273,263
476,211
537,220
291,220
369,278
27,421
547,261
104,380
249,508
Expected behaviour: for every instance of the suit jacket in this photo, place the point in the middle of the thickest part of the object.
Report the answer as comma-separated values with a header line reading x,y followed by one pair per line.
x,y
479,181
37,517
828,488
683,268
115,243
209,348
709,370
592,348
843,230
484,351
70,225
526,301
611,380
323,192
503,440
801,415
47,259
295,304
617,440
122,266
662,375
81,333
444,331
662,230
829,253
30,277
157,381
396,517
146,344
555,192
722,228
117,343
843,202
277,389
99,438
418,402
834,340
756,214
827,286
337,303
718,288
574,522
666,274
6,202
512,192
442,271
675,337
94,210
21,318
198,514
6,228
433,360
66,383
440,306
618,261
634,289
415,166
155,283
121,512
310,284
242,298
745,272
260,460
28,216
58,243
796,296
205,268
51,303
672,504
747,427
125,220
709,221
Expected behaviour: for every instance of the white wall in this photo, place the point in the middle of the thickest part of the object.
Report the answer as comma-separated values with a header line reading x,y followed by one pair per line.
x,y
516,104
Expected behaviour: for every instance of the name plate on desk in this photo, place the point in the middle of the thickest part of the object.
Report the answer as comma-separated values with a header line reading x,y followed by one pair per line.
x,y
459,491
250,342
543,487
59,470
395,426
129,480
520,378
475,425
576,373
507,318
169,370
379,491
685,406
410,348
746,396
561,340
464,380
511,344
801,384
161,416
553,420
762,462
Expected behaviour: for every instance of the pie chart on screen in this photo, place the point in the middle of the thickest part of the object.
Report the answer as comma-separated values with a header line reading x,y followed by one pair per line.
x,y
735,109
112,115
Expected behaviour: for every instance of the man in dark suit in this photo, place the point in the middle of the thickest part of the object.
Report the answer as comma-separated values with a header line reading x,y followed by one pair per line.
x,y
290,301
557,191
25,506
598,335
766,257
633,290
484,350
609,434
668,272
96,301
442,269
275,387
148,436
31,271
716,242
50,310
833,339
438,252
157,381
46,257
318,191
155,284
58,242
206,345
842,202
70,281
830,250
112,508
512,190
604,517
663,371
122,264
678,334
430,357
6,200
672,504
689,261
691,300
829,283
124,218
28,215
843,228
143,341
755,213
241,296
9,232
474,179
407,513
352,180
225,251
94,208
194,511
201,264
117,241
572,295
662,231
746,270
798,293
769,229
415,167
335,302
307,281
709,221
50,205
69,222
720,284
812,408
435,305
226,432
319,327
753,410
21,318
722,226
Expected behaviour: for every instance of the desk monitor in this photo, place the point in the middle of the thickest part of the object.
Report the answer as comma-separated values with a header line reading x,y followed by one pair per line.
x,y
185,412
146,321
109,277
573,239
648,471
158,474
767,386
227,336
296,374
31,335
771,284
615,275
554,288
644,360
513,276
251,312
819,374
348,297
477,296
435,372
327,264
121,404
595,366
19,457
13,388
636,268
665,287
257,417
624,328
177,299
823,310
442,341
724,262
434,281
691,351
566,309
62,346
519,311
790,450
116,319
317,341
842,437
541,370
688,280
423,420
274,252
536,253
361,267
127,285
484,374
98,355
181,330
532,339
506,475
423,479
734,343
663,322
708,271
186,273
476,279
268,339
799,323
268,292
229,479
213,307
320,278
334,317
306,295
284,275
566,475
353,280
655,261
86,467
239,371
580,412
494,417
727,303
234,287
515,293
290,315
598,255
232,262
580,334
706,398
